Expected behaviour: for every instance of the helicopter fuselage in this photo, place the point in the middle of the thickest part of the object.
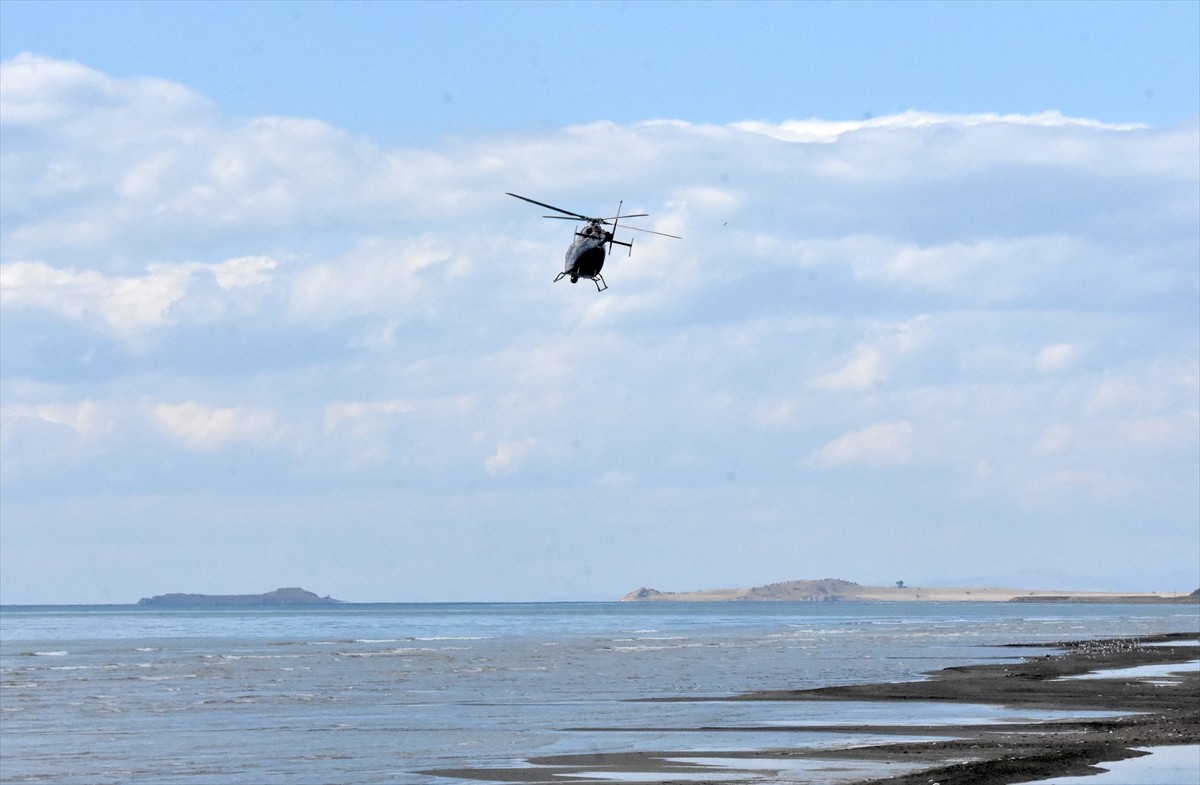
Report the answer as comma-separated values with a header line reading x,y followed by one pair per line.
x,y
585,257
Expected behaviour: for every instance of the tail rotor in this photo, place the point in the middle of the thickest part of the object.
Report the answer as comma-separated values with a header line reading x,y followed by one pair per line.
x,y
615,221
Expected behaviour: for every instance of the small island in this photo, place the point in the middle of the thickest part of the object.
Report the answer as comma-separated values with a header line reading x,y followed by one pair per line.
x,y
838,590
280,598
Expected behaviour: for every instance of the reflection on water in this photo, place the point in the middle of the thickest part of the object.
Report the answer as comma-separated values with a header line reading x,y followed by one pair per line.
x,y
1158,672
829,772
1179,765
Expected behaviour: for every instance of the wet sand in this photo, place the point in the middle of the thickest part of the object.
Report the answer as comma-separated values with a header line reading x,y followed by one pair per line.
x,y
1155,710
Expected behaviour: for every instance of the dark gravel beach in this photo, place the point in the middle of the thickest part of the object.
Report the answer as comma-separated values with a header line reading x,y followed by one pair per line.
x,y
1161,711
1167,712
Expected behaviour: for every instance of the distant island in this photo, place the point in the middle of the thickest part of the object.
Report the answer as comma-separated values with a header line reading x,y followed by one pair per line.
x,y
273,599
838,590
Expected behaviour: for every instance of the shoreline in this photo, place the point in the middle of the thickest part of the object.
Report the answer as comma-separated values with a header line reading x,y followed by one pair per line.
x,y
1151,711
1162,712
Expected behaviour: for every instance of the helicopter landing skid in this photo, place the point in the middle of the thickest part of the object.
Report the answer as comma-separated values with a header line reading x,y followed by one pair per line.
x,y
597,279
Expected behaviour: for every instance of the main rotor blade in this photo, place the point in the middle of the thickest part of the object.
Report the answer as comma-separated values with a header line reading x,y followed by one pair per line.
x,y
602,220
651,231
548,206
631,215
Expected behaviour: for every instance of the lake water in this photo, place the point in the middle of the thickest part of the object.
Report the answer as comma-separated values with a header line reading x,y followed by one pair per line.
x,y
379,693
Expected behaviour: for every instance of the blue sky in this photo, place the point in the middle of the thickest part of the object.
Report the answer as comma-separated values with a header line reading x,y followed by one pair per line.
x,y
269,319
411,71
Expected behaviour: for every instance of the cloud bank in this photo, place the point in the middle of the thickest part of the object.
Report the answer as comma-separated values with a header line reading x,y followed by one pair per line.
x,y
901,343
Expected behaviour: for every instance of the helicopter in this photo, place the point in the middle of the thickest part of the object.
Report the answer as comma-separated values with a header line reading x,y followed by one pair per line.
x,y
585,257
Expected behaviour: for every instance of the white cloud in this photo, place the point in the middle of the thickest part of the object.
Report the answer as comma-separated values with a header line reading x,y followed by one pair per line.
x,y
508,456
862,371
981,270
368,427
208,429
87,419
1054,440
870,362
54,439
123,305
243,272
883,444
43,92
1177,429
776,413
1055,357
1140,392
142,164
828,131
378,276
1068,486
616,478
357,414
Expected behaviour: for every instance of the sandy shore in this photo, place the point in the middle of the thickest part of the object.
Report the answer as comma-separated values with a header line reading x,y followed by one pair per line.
x,y
1162,710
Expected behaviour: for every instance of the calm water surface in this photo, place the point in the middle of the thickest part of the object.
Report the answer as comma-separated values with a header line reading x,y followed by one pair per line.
x,y
378,693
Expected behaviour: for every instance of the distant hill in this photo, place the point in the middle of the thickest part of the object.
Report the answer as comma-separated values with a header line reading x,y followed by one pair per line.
x,y
278,598
838,590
